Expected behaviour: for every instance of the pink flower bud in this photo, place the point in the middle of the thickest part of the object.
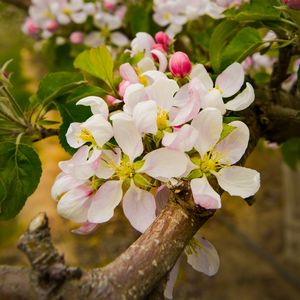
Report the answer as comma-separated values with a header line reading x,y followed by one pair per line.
x,y
157,47
52,25
163,39
180,64
30,27
110,100
294,4
77,38
124,84
109,5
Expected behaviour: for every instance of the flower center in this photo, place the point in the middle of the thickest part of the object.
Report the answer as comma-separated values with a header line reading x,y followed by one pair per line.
x,y
162,119
67,11
208,164
86,136
125,170
166,16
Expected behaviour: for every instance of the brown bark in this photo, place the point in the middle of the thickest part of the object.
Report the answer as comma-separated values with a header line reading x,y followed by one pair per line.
x,y
22,4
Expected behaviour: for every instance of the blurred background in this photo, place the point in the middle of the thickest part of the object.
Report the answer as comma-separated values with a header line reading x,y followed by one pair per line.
x,y
258,244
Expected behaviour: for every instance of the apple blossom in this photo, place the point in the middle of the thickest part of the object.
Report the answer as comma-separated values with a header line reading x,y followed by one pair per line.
x,y
77,37
180,64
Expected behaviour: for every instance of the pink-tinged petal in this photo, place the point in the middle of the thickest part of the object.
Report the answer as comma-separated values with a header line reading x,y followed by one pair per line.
x,y
242,100
128,73
100,129
74,204
139,207
200,72
105,201
119,39
108,161
145,117
182,140
209,124
186,104
97,104
161,198
72,135
63,183
162,92
127,135
234,145
85,228
204,195
162,59
168,292
142,43
146,64
133,95
231,80
163,164
239,181
205,259
214,99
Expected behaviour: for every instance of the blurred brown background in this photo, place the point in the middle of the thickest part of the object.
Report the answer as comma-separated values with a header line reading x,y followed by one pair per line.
x,y
259,245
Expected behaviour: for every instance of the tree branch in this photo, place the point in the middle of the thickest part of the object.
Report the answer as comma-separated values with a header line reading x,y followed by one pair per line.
x,y
22,4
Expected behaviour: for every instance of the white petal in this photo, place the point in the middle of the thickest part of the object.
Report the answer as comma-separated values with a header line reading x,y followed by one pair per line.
x,y
135,93
119,39
209,124
231,79
146,64
162,59
183,139
153,75
145,117
79,17
205,259
105,201
168,293
128,73
200,72
204,195
139,207
74,204
127,135
97,104
100,129
162,92
107,163
71,135
164,164
234,145
239,181
213,99
85,228
242,100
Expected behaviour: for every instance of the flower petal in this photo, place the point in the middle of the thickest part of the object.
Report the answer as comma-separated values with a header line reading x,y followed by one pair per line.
x,y
97,104
183,139
213,99
128,73
145,116
100,129
72,135
205,259
204,195
234,145
162,59
127,135
146,64
209,124
168,292
242,100
200,72
231,80
74,204
85,228
139,207
164,164
239,181
134,94
108,161
105,201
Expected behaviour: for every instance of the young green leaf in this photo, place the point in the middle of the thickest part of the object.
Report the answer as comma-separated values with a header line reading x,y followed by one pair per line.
x,y
291,152
97,62
20,174
227,129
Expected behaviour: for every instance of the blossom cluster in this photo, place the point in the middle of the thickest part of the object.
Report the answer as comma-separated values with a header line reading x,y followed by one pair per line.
x,y
91,23
176,13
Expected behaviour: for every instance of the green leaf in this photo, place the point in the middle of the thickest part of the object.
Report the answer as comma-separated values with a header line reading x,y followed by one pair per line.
x,y
85,91
227,129
220,37
139,19
291,152
244,43
58,84
20,174
256,10
70,113
97,62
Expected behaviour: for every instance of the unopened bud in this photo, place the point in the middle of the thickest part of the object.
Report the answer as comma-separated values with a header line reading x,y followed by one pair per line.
x,y
76,38
180,64
294,4
30,27
124,84
52,25
163,39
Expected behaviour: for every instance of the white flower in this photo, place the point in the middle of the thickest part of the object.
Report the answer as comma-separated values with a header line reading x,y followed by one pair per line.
x,y
216,157
227,84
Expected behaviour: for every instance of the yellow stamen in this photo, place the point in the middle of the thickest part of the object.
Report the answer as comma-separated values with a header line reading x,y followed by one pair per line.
x,y
162,119
86,136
